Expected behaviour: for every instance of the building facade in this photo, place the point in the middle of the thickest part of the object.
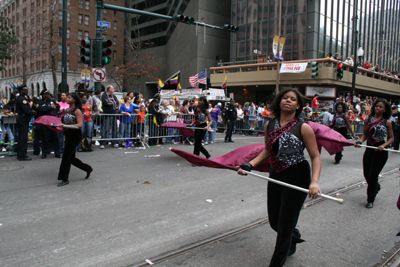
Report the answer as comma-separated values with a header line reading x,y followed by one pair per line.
x,y
37,24
180,47
315,28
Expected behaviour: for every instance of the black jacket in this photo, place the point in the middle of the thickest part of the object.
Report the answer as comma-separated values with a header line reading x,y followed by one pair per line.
x,y
230,113
45,108
109,104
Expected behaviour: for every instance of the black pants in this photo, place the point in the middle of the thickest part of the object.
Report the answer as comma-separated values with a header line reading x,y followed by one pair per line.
x,y
284,205
23,129
373,163
38,138
73,138
50,140
199,135
342,131
229,130
396,132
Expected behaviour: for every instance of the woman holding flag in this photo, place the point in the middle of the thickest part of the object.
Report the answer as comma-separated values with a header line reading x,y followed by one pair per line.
x,y
377,128
285,140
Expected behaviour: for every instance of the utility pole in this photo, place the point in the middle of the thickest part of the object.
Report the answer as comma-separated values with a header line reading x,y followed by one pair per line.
x,y
97,44
355,46
279,44
64,85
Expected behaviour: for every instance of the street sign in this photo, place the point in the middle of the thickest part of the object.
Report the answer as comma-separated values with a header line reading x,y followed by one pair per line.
x,y
104,24
83,74
103,29
99,74
88,76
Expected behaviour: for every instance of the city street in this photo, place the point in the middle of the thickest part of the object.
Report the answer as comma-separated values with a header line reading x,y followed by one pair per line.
x,y
134,208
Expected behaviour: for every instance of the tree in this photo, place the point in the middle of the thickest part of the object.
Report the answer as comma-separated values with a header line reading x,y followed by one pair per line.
x,y
7,39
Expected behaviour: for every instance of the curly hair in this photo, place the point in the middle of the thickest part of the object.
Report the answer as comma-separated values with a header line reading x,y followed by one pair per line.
x,y
275,105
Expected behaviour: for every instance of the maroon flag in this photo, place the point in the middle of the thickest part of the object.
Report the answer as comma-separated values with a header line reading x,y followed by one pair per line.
x,y
47,121
186,131
331,140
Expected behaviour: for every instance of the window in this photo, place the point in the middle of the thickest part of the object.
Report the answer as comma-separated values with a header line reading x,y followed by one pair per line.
x,y
67,49
24,12
59,65
17,3
60,14
68,2
79,66
115,13
86,20
86,35
68,32
115,40
80,18
60,48
87,4
80,3
68,16
67,65
114,55
59,31
80,35
115,25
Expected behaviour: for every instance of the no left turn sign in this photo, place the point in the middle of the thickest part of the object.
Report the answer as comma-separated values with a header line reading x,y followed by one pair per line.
x,y
99,74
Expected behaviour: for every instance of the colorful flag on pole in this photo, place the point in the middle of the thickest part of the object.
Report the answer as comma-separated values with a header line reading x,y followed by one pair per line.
x,y
179,87
200,77
198,86
225,83
160,84
10,86
174,80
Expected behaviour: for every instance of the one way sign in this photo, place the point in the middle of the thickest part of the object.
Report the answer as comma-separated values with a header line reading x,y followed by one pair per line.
x,y
99,74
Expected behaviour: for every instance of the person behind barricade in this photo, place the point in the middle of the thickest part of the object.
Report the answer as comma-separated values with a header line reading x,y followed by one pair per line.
x,y
395,118
155,118
246,115
253,116
96,118
341,123
25,114
50,139
141,121
207,136
379,133
285,140
315,103
260,119
7,128
239,121
202,121
325,116
230,116
87,126
127,110
110,106
171,110
215,115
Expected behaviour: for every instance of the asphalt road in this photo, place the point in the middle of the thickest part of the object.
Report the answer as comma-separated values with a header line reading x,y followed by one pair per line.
x,y
134,208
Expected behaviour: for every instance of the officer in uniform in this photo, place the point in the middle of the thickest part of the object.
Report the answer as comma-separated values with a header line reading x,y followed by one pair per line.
x,y
48,106
230,116
25,114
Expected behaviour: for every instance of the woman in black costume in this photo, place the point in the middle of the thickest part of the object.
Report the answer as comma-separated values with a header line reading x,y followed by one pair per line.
x,y
285,141
376,128
73,137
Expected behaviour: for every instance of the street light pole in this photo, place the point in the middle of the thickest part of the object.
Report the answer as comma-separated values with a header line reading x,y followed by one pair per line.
x,y
279,44
64,86
355,46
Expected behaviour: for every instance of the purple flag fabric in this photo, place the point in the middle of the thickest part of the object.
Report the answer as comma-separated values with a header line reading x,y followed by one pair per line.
x,y
186,132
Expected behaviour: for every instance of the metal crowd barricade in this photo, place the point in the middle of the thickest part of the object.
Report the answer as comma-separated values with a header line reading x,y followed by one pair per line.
x,y
118,128
358,127
159,135
9,133
243,126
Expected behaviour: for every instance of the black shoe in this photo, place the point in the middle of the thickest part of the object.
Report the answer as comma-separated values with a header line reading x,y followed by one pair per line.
x,y
58,156
336,163
231,141
43,156
24,158
209,156
88,173
370,205
226,141
63,183
378,188
292,249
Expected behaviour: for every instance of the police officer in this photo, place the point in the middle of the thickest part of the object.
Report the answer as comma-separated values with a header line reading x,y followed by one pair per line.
x,y
48,106
25,114
230,116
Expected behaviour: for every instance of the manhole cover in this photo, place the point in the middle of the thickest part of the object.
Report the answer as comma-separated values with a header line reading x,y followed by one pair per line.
x,y
11,168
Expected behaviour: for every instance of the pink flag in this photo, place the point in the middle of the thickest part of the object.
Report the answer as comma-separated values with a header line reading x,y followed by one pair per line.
x,y
186,131
47,121
331,140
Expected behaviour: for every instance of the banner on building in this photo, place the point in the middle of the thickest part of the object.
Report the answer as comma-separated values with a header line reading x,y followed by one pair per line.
x,y
281,44
167,93
275,46
293,67
191,91
216,92
321,91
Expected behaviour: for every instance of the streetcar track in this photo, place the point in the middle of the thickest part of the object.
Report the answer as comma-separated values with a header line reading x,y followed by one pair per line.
x,y
174,253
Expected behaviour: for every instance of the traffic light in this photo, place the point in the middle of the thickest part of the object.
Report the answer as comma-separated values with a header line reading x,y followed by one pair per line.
x,y
314,70
105,52
231,28
85,51
184,19
339,70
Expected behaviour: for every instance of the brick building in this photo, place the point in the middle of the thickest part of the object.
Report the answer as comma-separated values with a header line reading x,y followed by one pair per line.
x,y
37,24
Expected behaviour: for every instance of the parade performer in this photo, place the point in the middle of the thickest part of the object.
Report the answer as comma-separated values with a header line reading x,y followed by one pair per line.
x,y
72,117
377,128
341,123
285,141
202,119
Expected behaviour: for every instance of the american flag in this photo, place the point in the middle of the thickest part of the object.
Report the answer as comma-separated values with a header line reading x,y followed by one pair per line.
x,y
200,77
